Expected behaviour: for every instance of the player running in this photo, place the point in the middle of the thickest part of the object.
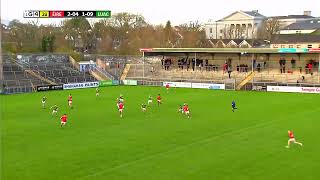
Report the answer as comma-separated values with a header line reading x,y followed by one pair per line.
x,y
149,100
44,99
180,110
120,100
64,119
97,92
186,110
292,139
233,104
167,87
70,101
159,99
121,106
143,107
54,110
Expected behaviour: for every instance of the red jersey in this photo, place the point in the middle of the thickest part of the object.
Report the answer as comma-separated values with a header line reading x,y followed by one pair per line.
x,y
70,98
291,134
121,106
159,97
64,118
185,108
167,86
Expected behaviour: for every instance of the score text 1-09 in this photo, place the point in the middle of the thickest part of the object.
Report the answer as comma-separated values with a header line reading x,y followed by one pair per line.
x,y
66,14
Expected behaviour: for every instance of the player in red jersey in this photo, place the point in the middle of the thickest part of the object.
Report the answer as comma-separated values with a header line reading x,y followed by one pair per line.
x,y
167,87
186,110
63,120
121,106
70,101
292,139
159,99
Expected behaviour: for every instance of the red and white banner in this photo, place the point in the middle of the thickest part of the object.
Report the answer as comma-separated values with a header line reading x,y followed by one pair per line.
x,y
293,89
314,50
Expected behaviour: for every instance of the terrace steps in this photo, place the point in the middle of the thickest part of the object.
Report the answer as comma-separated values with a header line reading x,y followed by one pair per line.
x,y
125,72
39,76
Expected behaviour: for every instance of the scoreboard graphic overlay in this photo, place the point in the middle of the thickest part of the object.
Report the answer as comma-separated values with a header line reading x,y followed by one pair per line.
x,y
66,14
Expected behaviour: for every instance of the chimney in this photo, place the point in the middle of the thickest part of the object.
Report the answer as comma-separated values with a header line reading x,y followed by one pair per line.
x,y
307,13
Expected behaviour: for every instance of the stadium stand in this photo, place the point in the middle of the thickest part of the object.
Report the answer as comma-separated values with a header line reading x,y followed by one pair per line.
x,y
16,79
56,68
113,66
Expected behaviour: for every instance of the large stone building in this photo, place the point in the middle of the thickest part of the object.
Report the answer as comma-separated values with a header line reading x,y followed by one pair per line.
x,y
238,25
245,24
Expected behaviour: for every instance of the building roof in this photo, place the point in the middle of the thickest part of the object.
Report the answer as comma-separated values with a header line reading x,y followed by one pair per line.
x,y
304,25
253,13
294,38
292,17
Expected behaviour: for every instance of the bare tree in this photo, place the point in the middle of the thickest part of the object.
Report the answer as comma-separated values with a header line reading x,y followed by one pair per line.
x,y
268,28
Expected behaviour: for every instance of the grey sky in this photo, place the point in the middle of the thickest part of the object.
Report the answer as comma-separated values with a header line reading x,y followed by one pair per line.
x,y
159,11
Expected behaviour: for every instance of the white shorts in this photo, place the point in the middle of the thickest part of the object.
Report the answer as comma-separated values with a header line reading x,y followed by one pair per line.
x,y
54,111
70,103
187,112
63,123
149,101
144,109
292,140
97,94
159,101
43,102
120,110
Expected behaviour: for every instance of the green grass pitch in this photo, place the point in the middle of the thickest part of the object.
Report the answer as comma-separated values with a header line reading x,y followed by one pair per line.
x,y
214,143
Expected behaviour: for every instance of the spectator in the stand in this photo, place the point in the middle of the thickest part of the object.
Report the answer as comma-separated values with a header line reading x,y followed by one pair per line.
x,y
162,63
258,67
280,64
229,71
225,67
293,63
188,65
310,68
193,64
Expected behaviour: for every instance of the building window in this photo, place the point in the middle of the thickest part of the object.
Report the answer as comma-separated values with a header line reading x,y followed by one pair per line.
x,y
210,30
283,46
298,46
221,31
309,45
290,46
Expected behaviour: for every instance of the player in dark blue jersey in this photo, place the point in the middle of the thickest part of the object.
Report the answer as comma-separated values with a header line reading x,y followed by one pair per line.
x,y
233,104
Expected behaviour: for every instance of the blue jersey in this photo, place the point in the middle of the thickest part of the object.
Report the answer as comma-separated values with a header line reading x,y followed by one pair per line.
x,y
233,104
